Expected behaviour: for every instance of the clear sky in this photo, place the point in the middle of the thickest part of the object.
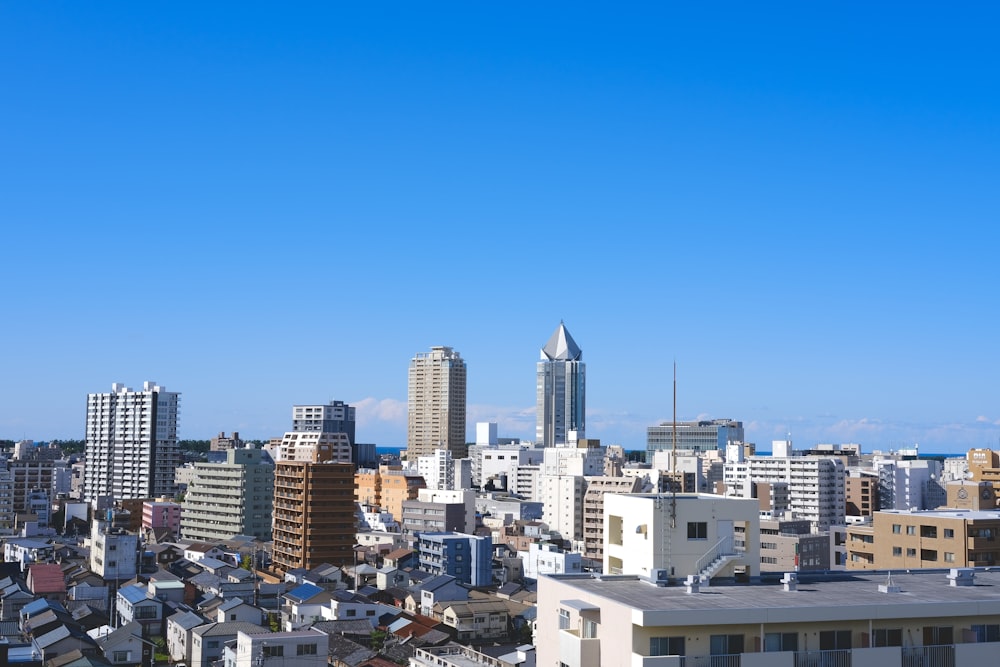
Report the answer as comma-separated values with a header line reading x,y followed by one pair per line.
x,y
267,204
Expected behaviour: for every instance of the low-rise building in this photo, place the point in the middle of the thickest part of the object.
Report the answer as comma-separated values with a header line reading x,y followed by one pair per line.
x,y
926,618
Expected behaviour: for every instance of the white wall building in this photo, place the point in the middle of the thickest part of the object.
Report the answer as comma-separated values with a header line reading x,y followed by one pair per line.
x,y
441,470
113,552
542,559
302,648
131,443
816,487
667,536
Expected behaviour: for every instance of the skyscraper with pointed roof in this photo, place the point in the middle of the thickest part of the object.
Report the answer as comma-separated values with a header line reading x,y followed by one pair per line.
x,y
561,390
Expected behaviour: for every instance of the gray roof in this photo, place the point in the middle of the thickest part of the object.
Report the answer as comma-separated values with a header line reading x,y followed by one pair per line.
x,y
229,628
134,594
838,595
561,347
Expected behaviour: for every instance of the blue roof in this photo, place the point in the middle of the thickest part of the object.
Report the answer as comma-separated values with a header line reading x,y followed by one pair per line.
x,y
133,594
41,605
304,592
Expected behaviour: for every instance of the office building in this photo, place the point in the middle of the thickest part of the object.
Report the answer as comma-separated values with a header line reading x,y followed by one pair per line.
x,y
561,391
436,404
314,519
131,443
696,436
228,499
335,417
929,619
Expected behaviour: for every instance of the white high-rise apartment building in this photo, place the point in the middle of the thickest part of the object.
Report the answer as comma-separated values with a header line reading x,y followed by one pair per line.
x,y
131,449
815,484
561,404
436,404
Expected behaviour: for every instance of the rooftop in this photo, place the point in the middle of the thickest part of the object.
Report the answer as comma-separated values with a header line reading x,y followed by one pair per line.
x,y
836,596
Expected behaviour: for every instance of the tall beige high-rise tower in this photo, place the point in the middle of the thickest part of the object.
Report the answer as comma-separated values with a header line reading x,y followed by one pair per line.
x,y
436,414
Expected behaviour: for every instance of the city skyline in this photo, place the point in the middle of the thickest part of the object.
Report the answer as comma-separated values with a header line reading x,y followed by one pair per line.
x,y
266,207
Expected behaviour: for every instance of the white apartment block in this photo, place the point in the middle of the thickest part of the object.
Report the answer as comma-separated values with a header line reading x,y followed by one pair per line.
x,y
816,487
113,552
541,559
501,462
527,482
671,536
228,499
907,484
441,470
562,498
131,443
583,460
314,447
302,648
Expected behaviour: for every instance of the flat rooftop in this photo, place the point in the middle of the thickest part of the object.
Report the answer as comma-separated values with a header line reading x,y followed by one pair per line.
x,y
835,596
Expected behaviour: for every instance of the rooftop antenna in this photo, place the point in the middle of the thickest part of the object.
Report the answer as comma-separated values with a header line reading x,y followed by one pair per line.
x,y
673,458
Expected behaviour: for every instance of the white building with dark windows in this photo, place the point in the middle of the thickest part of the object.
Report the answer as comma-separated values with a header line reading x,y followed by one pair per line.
x,y
131,443
561,387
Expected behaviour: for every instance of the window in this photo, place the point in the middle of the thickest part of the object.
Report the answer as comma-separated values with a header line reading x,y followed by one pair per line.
x,y
781,641
949,557
986,633
911,551
949,533
929,531
121,656
589,628
938,635
273,651
213,644
351,612
928,554
887,637
666,646
896,528
911,530
305,649
834,640
697,530
564,619
726,644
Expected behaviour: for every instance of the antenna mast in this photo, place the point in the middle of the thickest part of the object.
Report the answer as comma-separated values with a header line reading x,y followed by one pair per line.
x,y
673,459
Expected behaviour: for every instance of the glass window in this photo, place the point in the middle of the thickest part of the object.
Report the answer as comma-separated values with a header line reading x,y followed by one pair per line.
x,y
911,530
564,619
781,641
666,646
834,640
986,633
887,637
726,644
697,530
896,528
938,635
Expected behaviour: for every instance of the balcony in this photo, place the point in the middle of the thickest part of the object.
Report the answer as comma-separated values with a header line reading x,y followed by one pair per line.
x,y
579,652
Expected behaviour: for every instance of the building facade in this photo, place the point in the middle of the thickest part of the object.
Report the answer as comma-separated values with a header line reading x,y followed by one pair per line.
x,y
436,404
561,390
314,519
667,537
228,499
927,619
696,436
131,443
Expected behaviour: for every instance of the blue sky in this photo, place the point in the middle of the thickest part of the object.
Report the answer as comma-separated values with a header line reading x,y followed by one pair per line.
x,y
261,205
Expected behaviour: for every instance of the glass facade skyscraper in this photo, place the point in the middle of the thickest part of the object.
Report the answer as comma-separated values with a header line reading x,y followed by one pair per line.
x,y
561,390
